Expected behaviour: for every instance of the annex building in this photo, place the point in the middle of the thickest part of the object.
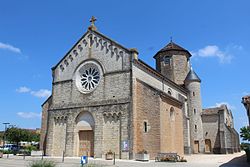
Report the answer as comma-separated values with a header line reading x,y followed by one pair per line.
x,y
105,98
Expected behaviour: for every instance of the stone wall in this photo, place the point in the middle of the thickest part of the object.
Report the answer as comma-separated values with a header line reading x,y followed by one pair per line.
x,y
210,130
171,119
195,110
44,123
164,131
218,127
111,127
180,68
147,110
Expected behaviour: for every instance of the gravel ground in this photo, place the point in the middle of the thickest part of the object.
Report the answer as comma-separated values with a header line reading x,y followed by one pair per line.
x,y
198,160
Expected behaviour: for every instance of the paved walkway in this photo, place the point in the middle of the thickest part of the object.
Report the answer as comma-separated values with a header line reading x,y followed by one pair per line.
x,y
200,160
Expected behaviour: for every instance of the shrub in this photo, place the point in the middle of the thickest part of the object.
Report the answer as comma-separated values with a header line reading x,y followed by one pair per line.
x,y
245,146
31,148
42,163
7,151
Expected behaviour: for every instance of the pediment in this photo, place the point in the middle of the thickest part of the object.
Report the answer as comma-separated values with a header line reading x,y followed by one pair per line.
x,y
82,50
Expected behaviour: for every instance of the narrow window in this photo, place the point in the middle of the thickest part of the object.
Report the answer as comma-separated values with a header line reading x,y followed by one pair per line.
x,y
172,116
195,128
193,93
167,60
194,111
145,126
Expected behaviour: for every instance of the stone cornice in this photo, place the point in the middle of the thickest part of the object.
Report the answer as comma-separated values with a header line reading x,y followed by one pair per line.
x,y
90,104
105,74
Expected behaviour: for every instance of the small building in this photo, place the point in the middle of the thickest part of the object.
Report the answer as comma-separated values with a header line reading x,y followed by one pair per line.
x,y
219,133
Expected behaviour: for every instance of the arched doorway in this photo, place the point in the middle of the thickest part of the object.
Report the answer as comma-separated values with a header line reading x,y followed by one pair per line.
x,y
196,147
207,145
85,127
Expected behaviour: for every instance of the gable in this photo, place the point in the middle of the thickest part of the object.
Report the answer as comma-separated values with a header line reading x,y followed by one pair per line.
x,y
94,46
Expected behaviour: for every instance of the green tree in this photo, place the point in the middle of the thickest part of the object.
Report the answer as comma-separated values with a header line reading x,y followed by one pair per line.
x,y
15,135
245,133
1,135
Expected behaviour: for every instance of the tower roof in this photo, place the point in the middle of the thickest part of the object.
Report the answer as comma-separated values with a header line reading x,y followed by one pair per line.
x,y
192,76
171,46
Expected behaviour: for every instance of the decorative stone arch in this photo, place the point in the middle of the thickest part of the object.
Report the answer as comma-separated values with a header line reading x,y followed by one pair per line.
x,y
85,121
84,134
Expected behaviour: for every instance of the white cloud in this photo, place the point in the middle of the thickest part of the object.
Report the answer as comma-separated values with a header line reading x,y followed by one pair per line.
x,y
214,51
10,48
23,89
229,106
42,93
29,115
224,55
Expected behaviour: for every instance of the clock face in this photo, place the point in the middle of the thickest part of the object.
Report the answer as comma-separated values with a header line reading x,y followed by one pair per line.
x,y
88,77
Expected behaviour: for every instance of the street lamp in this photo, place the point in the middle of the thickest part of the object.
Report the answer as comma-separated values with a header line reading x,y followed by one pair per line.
x,y
5,123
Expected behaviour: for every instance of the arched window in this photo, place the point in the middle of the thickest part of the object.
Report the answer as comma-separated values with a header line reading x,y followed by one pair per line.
x,y
195,128
194,111
167,60
172,114
193,93
169,91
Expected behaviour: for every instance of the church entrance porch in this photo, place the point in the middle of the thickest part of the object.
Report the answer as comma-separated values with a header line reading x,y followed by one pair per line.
x,y
86,143
84,134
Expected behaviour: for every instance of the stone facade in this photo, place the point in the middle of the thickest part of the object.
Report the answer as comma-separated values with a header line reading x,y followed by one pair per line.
x,y
106,99
219,133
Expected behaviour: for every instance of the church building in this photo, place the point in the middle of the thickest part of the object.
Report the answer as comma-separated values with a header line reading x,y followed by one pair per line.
x,y
104,98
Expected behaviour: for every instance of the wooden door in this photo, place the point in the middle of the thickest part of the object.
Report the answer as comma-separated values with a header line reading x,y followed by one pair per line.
x,y
196,147
207,145
86,143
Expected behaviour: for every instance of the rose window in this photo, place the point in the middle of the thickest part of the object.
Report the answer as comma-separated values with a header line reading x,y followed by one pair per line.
x,y
87,77
90,78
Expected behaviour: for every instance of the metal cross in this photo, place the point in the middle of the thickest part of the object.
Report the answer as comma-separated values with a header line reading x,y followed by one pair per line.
x,y
92,20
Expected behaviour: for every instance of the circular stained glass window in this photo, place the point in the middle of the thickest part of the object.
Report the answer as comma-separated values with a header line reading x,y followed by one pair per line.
x,y
88,77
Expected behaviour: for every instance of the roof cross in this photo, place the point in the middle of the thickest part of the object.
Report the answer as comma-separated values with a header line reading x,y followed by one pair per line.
x,y
92,20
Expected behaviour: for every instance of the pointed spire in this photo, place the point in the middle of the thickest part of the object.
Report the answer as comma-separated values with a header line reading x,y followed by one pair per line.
x,y
192,76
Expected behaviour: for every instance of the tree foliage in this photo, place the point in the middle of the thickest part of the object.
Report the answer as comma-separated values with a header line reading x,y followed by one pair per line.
x,y
15,135
245,133
1,135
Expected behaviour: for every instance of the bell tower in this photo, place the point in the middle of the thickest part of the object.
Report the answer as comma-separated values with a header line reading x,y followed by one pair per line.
x,y
172,61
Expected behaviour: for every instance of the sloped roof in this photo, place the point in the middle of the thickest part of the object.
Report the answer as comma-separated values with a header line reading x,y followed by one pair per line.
x,y
192,76
171,46
89,31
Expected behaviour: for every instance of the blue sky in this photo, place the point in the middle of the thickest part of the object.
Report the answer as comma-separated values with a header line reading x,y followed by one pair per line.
x,y
35,35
